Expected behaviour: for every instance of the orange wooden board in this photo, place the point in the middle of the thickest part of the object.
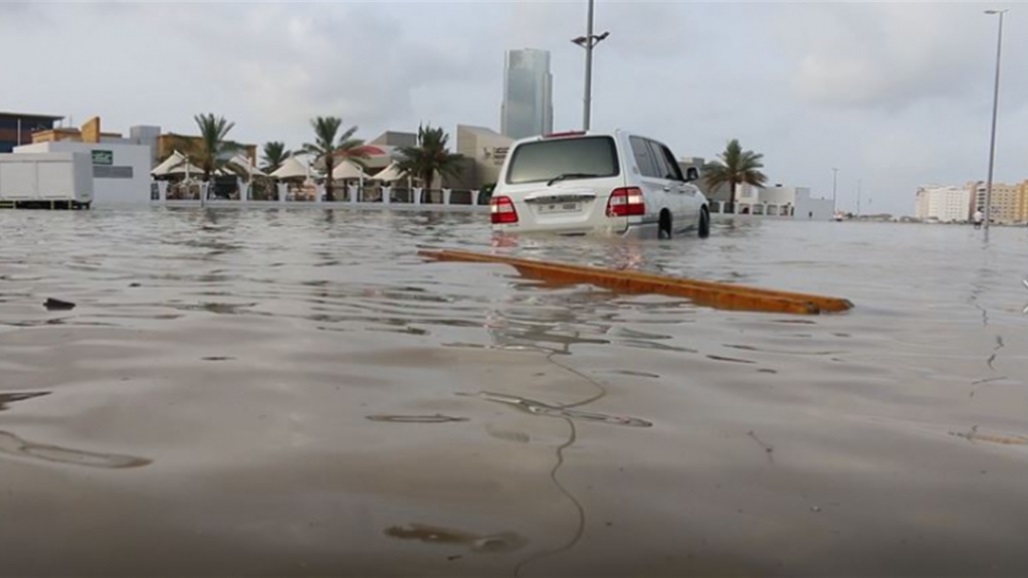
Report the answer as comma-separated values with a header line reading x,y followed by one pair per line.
x,y
708,293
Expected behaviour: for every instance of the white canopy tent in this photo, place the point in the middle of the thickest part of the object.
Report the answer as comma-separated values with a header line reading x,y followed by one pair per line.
x,y
348,170
390,174
242,161
176,164
291,168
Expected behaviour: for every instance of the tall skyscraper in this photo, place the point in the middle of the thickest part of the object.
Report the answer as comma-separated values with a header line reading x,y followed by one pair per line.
x,y
527,108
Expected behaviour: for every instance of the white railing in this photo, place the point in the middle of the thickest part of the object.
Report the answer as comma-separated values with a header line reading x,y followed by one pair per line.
x,y
385,197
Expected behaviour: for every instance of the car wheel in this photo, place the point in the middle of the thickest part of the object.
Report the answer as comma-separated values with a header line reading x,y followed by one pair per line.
x,y
704,228
664,225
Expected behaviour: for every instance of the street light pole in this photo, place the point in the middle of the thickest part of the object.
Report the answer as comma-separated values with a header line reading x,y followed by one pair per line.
x,y
589,41
587,100
995,108
835,175
859,186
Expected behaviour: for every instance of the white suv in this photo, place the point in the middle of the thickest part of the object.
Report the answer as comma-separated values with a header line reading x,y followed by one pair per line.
x,y
577,183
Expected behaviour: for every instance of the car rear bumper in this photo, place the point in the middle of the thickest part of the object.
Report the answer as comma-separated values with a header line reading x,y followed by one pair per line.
x,y
632,231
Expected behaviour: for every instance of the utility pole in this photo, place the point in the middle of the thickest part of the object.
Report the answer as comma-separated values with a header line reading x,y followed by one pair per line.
x,y
995,107
589,41
859,183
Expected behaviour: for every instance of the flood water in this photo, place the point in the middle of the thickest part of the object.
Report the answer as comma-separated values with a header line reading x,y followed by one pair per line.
x,y
297,392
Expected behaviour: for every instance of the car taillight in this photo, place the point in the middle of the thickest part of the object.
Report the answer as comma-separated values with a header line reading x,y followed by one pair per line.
x,y
625,202
501,211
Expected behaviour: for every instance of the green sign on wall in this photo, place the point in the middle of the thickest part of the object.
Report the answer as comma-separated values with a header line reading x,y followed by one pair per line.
x,y
103,158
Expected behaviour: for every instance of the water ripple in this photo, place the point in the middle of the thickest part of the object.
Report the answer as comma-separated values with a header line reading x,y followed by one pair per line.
x,y
237,355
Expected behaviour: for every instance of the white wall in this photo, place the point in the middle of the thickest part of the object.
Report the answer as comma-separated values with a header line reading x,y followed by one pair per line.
x,y
125,180
778,195
808,209
46,177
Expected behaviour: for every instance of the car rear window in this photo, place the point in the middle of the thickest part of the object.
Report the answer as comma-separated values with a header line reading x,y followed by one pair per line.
x,y
540,161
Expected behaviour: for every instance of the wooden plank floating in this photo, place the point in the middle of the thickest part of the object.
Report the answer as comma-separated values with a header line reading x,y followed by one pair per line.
x,y
708,293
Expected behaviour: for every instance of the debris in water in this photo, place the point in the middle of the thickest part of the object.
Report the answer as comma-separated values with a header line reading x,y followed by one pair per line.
x,y
1007,440
767,447
57,304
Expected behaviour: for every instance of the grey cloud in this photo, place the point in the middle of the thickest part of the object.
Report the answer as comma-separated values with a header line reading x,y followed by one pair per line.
x,y
887,55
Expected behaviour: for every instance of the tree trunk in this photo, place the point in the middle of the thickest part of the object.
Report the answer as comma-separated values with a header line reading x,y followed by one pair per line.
x,y
329,194
731,195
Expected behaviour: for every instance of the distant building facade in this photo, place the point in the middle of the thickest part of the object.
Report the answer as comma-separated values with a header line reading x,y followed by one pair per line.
x,y
527,108
779,201
168,143
16,128
943,204
1006,201
487,149
120,166
1022,202
395,138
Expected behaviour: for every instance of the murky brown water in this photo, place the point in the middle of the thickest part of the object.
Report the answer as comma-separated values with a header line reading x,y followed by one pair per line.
x,y
297,393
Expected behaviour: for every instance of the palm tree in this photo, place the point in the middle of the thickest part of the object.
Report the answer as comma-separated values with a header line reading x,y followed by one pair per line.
x,y
327,148
213,152
275,153
430,156
734,167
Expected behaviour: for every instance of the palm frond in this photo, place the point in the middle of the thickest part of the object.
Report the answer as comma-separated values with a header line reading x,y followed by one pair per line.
x,y
275,153
326,146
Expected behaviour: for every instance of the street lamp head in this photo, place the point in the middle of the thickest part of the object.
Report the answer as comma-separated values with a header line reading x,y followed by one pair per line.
x,y
996,11
602,36
581,40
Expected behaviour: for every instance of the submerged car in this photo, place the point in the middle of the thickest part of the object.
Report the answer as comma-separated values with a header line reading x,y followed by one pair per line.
x,y
577,183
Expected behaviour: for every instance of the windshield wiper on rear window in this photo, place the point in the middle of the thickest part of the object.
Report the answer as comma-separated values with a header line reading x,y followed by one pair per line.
x,y
564,176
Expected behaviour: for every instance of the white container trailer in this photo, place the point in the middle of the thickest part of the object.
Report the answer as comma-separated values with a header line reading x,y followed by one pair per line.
x,y
46,180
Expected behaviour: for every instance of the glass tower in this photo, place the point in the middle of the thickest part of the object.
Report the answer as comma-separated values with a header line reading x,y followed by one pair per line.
x,y
527,108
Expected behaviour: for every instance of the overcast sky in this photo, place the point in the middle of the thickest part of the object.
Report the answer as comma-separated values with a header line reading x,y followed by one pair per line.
x,y
893,94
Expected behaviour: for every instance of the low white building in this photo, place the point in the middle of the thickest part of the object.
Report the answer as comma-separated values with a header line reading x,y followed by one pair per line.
x,y
121,171
944,204
57,180
782,201
810,208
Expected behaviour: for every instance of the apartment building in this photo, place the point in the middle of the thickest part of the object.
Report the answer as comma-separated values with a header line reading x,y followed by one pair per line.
x,y
944,204
1006,201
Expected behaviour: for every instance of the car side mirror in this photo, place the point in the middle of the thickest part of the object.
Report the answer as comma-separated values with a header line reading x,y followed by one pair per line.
x,y
691,174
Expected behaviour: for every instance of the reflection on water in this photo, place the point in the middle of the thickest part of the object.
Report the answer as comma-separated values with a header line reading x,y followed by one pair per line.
x,y
540,408
16,446
479,544
8,398
437,418
303,385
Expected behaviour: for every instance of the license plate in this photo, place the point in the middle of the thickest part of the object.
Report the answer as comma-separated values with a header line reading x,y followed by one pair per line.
x,y
560,207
